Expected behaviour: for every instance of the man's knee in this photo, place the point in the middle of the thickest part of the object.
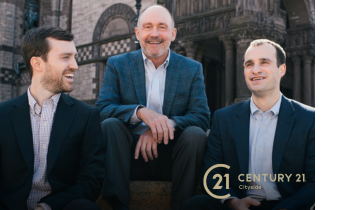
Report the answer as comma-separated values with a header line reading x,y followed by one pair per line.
x,y
116,132
111,123
194,135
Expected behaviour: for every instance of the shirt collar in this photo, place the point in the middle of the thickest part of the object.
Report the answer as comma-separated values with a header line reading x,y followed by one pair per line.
x,y
275,109
166,62
34,104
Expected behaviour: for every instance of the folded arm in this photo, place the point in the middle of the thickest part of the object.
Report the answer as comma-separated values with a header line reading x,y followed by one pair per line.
x,y
109,102
197,112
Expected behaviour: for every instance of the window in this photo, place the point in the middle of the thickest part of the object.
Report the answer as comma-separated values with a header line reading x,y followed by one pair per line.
x,y
31,15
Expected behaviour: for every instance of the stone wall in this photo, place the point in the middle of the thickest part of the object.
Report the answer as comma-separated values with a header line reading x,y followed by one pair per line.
x,y
86,14
84,83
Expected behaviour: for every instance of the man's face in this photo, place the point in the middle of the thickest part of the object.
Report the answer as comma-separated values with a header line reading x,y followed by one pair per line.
x,y
155,32
260,70
60,66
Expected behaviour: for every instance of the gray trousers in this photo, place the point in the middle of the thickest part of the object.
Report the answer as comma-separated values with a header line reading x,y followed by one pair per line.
x,y
180,161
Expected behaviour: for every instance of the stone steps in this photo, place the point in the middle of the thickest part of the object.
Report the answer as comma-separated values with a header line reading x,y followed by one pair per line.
x,y
146,195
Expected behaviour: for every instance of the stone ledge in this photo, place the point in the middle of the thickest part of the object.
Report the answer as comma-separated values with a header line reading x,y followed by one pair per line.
x,y
146,195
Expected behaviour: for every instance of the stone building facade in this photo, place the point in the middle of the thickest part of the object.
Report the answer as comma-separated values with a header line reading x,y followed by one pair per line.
x,y
213,32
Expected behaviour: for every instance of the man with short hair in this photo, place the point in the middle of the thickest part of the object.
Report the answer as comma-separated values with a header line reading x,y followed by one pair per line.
x,y
51,147
268,141
153,103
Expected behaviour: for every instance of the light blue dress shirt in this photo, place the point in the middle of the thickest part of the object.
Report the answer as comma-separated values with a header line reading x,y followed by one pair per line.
x,y
261,137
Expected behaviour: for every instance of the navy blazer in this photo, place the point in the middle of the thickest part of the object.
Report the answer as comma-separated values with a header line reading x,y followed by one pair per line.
x,y
75,158
293,151
124,88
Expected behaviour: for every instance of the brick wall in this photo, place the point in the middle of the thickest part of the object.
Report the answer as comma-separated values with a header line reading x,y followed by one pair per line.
x,y
84,84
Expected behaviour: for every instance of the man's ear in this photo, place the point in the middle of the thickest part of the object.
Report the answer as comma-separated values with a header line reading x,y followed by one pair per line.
x,y
282,70
137,33
173,33
37,64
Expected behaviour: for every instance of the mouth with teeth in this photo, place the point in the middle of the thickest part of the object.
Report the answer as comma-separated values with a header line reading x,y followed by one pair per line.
x,y
257,78
155,42
69,76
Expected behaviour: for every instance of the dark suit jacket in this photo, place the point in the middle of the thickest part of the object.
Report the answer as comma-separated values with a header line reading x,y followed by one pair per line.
x,y
124,88
293,151
75,159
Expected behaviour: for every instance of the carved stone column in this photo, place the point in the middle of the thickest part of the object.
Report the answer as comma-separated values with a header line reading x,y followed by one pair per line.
x,y
190,49
200,52
307,96
296,78
242,92
229,69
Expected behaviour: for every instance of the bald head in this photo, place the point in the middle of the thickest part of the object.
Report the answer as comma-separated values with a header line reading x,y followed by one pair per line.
x,y
155,9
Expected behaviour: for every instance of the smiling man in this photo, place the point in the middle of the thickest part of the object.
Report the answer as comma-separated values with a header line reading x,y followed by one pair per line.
x,y
155,114
51,147
268,135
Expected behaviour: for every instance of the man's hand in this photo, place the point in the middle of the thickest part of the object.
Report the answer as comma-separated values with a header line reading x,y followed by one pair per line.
x,y
241,204
159,124
146,144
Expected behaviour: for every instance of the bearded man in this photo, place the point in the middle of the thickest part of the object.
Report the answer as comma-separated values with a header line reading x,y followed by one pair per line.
x,y
52,153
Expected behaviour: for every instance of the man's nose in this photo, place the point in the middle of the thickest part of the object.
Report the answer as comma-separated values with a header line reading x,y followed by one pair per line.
x,y
73,64
155,32
256,69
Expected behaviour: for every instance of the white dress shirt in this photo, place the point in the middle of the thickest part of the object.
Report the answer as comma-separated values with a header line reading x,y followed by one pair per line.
x,y
155,87
261,137
41,122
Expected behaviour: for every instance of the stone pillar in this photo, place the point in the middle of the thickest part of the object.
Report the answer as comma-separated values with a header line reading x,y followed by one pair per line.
x,y
200,52
190,49
296,78
307,96
206,63
229,69
242,92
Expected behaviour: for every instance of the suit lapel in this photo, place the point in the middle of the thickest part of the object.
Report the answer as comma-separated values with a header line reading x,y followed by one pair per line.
x,y
22,125
63,119
284,126
171,82
137,69
241,135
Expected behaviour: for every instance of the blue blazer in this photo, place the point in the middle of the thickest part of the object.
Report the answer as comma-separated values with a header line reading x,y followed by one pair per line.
x,y
293,151
124,88
75,157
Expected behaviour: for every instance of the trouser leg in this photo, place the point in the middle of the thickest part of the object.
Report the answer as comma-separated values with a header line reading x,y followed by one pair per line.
x,y
187,156
119,141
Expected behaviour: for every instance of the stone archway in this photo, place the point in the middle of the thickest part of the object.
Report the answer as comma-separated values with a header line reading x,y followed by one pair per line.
x,y
106,28
117,10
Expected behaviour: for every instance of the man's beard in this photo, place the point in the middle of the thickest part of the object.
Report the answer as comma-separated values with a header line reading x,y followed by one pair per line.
x,y
54,83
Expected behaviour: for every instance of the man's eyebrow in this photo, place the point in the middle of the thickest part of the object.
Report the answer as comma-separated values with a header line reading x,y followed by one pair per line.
x,y
248,61
69,53
265,59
